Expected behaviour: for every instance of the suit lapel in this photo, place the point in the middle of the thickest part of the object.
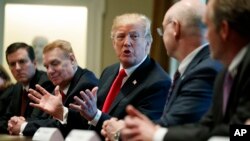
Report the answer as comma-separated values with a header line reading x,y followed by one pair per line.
x,y
103,93
203,53
133,81
219,96
238,83
73,84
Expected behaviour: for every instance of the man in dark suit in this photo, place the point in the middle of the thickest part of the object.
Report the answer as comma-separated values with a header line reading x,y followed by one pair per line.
x,y
145,85
191,93
229,35
70,79
21,60
5,83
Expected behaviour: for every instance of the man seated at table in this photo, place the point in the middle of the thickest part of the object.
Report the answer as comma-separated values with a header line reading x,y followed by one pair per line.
x,y
22,64
137,79
69,79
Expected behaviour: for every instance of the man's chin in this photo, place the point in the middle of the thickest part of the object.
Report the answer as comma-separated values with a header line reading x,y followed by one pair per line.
x,y
23,81
127,64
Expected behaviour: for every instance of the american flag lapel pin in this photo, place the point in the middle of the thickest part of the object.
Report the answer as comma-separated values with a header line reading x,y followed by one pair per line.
x,y
134,82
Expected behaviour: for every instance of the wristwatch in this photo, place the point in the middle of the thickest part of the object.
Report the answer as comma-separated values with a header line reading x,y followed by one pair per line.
x,y
117,135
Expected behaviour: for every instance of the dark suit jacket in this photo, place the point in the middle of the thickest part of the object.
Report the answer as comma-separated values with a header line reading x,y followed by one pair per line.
x,y
146,89
14,109
5,97
82,80
215,123
192,94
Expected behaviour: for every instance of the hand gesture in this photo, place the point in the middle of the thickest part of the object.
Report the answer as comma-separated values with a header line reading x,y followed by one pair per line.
x,y
87,105
43,100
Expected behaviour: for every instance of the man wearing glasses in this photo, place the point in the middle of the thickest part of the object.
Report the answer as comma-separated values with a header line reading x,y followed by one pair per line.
x,y
191,92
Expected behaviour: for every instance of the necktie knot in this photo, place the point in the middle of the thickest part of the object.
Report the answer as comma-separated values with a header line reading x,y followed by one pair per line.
x,y
122,73
25,92
176,76
119,78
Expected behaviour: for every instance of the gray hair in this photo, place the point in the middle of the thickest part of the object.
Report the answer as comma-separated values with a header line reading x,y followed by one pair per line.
x,y
133,18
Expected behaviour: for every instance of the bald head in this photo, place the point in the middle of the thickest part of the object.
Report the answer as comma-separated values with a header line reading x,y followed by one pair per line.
x,y
183,28
189,14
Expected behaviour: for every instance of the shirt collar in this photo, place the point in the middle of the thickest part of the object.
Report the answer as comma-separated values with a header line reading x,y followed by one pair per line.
x,y
65,90
232,69
130,70
26,87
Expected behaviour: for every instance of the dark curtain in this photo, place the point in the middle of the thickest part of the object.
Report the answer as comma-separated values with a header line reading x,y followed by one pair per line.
x,y
158,51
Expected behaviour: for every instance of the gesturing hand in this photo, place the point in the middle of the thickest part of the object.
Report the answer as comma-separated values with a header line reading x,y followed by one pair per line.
x,y
43,100
87,105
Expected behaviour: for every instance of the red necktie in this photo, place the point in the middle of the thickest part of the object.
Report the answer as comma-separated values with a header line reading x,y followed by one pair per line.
x,y
63,96
115,88
24,102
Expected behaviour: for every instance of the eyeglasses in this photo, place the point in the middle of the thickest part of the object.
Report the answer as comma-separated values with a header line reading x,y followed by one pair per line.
x,y
159,31
132,35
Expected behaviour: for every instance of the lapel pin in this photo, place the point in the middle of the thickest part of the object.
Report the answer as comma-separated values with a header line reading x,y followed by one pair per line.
x,y
134,82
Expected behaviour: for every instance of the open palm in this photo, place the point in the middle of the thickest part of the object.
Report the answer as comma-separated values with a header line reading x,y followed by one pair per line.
x,y
43,100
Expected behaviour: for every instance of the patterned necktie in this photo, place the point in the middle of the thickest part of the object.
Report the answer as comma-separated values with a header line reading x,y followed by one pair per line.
x,y
175,78
114,90
228,81
24,102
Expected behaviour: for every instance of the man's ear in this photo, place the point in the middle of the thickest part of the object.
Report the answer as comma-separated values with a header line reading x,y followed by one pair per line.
x,y
148,46
113,43
35,62
224,30
72,57
177,28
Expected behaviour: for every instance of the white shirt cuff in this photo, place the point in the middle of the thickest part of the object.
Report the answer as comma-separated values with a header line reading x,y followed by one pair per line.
x,y
159,134
65,115
23,125
96,118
